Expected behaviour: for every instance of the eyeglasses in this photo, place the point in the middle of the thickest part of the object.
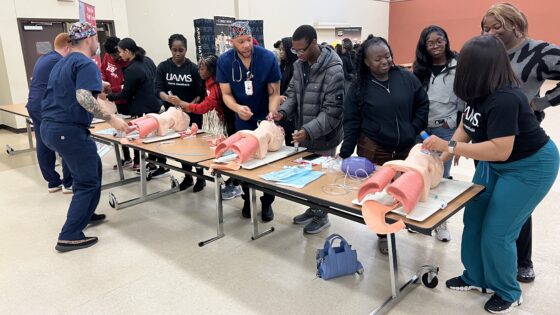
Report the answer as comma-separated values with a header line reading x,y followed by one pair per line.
x,y
439,42
300,51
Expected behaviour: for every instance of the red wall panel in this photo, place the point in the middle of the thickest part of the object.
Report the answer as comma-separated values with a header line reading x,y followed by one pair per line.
x,y
461,20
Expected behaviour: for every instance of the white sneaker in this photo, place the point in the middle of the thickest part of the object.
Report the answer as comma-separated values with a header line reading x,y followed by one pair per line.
x,y
55,189
67,190
442,233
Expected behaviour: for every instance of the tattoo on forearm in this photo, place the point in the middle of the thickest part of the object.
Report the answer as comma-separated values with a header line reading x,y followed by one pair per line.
x,y
89,103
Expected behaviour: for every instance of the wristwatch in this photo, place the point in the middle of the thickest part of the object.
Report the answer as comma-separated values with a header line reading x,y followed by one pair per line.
x,y
451,146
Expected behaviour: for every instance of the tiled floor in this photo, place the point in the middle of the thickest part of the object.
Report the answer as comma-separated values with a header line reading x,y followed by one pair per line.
x,y
147,260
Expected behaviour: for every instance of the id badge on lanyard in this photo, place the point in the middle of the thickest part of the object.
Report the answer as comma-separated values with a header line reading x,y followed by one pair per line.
x,y
249,84
249,87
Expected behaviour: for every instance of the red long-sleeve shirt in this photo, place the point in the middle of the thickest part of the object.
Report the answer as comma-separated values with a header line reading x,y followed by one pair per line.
x,y
212,101
112,72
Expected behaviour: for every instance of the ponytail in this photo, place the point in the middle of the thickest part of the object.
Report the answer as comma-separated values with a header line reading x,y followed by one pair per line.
x,y
129,44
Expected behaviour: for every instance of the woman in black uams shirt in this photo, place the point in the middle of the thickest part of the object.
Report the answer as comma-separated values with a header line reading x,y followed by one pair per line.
x,y
178,83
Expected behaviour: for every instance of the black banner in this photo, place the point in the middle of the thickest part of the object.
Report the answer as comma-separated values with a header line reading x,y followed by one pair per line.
x,y
204,37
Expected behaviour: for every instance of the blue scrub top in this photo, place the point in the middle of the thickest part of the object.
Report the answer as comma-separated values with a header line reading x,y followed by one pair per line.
x,y
40,78
73,72
264,69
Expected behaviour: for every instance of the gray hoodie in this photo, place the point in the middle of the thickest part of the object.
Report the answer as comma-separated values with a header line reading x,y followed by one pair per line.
x,y
317,106
444,104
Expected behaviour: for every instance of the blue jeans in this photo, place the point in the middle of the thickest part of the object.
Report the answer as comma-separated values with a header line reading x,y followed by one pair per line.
x,y
47,158
445,134
75,146
493,219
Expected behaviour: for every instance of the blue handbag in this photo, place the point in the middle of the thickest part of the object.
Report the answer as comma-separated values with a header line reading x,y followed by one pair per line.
x,y
338,261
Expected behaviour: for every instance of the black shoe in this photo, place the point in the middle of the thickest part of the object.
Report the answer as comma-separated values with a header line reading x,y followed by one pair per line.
x,y
97,218
525,274
199,186
246,211
498,306
267,214
66,246
150,167
304,218
186,183
160,172
459,284
124,163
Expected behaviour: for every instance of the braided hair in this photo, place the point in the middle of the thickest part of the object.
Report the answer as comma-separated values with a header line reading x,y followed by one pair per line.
x,y
210,61
362,69
422,64
178,37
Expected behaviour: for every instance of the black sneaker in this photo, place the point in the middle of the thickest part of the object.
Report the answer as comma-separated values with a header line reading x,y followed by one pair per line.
x,y
124,163
150,167
199,186
498,306
459,284
267,214
304,218
525,274
97,217
160,172
317,224
186,183
66,246
383,245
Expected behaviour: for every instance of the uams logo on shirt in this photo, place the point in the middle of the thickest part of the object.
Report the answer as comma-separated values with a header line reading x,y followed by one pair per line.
x,y
186,78
471,117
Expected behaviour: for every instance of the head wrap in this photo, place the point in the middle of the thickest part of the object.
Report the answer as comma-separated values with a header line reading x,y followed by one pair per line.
x,y
239,28
81,30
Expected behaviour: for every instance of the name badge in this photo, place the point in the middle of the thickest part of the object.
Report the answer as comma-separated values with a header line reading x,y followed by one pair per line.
x,y
249,87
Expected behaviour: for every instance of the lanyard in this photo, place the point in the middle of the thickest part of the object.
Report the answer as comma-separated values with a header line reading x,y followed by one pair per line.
x,y
249,73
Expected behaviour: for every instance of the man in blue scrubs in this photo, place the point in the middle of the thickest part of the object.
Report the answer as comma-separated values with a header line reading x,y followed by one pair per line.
x,y
249,77
68,108
45,156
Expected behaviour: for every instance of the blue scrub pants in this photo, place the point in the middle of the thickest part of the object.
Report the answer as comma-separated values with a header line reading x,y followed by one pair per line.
x,y
75,146
47,158
494,218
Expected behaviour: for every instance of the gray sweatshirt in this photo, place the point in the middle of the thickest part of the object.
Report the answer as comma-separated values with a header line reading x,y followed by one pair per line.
x,y
534,62
444,104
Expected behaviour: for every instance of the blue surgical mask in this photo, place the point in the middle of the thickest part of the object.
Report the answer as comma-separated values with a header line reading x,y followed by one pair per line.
x,y
293,176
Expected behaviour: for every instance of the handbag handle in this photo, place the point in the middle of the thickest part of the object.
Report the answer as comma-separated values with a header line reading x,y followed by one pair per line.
x,y
331,239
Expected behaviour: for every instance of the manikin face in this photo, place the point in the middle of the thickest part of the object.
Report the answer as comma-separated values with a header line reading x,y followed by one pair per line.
x,y
243,45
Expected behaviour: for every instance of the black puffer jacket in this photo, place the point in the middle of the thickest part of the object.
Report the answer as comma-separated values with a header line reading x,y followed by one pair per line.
x,y
318,106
